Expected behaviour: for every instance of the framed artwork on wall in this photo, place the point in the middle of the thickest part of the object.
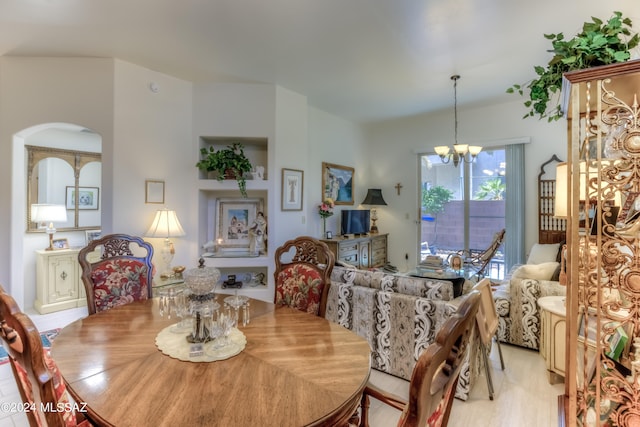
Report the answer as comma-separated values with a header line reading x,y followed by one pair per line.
x,y
337,183
235,216
154,191
292,189
88,198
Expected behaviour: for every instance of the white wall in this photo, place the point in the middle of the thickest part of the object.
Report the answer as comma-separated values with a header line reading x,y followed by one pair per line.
x,y
394,148
152,140
36,91
333,140
154,135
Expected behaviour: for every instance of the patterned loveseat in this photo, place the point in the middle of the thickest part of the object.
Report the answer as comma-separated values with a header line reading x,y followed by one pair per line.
x,y
398,315
516,303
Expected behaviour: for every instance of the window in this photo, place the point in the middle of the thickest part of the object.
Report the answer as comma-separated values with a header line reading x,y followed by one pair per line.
x,y
464,206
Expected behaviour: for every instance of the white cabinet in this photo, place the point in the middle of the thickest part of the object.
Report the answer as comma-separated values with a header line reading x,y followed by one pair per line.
x,y
553,335
58,283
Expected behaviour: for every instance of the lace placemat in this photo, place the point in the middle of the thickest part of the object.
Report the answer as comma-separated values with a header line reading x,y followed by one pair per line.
x,y
175,345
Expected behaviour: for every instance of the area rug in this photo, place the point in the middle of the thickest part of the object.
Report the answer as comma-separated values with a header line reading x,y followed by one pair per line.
x,y
47,337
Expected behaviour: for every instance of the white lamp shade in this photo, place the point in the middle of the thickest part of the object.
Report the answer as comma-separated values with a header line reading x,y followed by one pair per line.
x,y
48,213
442,150
165,224
474,150
461,149
561,206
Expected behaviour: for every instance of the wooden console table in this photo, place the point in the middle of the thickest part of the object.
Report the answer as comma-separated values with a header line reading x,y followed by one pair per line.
x,y
360,251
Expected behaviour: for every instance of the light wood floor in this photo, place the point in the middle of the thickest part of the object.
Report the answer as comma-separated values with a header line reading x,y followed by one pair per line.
x,y
523,395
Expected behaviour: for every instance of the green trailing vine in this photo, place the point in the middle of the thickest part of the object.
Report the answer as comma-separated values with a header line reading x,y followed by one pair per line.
x,y
599,43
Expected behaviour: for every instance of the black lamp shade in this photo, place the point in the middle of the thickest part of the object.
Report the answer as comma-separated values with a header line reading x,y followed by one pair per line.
x,y
374,197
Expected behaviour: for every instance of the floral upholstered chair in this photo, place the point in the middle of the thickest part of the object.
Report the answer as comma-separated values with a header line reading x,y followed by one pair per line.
x,y
302,275
39,381
121,273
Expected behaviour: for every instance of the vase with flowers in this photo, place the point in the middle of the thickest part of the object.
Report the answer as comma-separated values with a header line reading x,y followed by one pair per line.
x,y
325,210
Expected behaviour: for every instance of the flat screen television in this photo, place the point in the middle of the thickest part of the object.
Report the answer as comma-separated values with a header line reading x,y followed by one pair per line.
x,y
355,221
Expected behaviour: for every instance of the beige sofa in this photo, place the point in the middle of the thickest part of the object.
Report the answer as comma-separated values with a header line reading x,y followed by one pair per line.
x,y
398,315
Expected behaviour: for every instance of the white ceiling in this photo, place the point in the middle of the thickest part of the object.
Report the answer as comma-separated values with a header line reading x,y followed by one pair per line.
x,y
364,60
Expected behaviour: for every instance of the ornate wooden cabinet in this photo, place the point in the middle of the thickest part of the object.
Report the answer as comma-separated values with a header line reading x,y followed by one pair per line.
x,y
362,252
603,257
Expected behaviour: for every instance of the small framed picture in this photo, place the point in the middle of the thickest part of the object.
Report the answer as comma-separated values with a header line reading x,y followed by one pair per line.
x,y
292,189
92,235
154,191
329,235
61,243
88,198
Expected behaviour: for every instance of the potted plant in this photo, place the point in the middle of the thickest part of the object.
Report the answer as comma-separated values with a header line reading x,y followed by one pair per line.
x,y
599,43
230,163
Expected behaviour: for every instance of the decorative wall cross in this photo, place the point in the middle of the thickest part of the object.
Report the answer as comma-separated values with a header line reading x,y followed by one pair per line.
x,y
398,187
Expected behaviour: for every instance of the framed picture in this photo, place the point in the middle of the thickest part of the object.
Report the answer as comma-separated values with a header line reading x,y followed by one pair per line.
x,y
61,243
88,198
235,216
154,191
292,189
337,183
92,235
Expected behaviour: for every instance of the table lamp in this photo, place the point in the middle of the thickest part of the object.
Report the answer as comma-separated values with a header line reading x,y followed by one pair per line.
x,y
374,197
48,214
166,224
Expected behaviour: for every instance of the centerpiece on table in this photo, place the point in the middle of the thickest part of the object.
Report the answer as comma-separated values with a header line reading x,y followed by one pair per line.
x,y
325,210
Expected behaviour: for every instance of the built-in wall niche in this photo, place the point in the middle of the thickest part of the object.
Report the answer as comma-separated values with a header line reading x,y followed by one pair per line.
x,y
65,177
255,149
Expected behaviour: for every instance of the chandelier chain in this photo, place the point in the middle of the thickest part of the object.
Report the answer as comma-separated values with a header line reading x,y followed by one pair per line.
x,y
455,78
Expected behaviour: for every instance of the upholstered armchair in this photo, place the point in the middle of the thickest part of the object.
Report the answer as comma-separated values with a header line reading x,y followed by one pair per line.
x,y
302,274
123,273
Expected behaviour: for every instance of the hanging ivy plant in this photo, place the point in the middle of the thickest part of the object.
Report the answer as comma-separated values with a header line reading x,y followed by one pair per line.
x,y
599,43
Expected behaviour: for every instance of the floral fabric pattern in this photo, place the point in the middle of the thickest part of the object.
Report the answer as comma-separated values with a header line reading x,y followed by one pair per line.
x,y
299,286
119,281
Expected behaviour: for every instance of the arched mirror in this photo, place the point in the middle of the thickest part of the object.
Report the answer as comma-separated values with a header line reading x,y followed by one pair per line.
x,y
65,177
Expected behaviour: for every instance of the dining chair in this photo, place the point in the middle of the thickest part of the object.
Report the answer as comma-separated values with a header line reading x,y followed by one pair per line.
x,y
302,274
40,383
487,321
123,272
435,375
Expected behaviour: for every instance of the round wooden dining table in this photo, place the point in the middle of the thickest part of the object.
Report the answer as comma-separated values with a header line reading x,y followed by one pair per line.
x,y
296,370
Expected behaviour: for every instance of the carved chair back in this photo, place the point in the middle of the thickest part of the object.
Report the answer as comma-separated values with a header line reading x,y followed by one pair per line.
x,y
122,274
302,274
435,375
39,382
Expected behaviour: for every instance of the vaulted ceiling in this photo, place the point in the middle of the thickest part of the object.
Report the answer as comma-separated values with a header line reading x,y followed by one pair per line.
x,y
364,60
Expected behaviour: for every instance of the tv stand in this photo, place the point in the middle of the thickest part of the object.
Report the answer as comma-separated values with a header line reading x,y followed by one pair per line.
x,y
363,251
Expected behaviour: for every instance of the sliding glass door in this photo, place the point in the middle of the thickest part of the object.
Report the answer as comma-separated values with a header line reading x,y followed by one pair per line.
x,y
464,206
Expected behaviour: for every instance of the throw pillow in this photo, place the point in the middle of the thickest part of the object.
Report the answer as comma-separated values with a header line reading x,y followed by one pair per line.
x,y
543,253
542,271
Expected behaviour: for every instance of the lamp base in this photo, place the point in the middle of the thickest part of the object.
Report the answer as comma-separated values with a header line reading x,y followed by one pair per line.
x,y
50,248
374,227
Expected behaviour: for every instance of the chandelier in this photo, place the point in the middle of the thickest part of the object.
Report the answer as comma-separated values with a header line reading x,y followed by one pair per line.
x,y
461,152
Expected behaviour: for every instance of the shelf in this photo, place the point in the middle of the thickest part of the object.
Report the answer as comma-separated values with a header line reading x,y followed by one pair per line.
x,y
231,185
